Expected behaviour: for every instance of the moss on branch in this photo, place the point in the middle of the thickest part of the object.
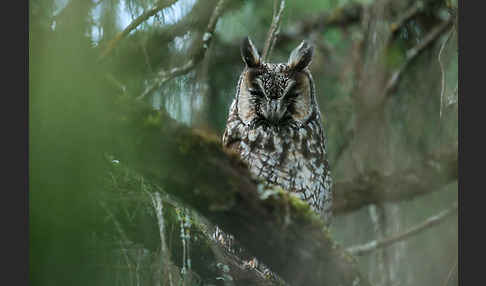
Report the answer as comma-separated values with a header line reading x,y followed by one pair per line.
x,y
276,227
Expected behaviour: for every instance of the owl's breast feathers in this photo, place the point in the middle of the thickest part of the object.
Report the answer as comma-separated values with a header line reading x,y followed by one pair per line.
x,y
291,157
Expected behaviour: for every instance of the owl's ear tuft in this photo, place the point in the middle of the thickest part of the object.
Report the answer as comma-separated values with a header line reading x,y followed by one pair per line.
x,y
249,53
301,57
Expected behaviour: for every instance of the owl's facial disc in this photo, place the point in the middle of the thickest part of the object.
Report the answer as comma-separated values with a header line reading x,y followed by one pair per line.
x,y
273,96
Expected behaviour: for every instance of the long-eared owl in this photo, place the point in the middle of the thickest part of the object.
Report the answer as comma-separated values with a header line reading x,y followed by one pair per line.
x,y
274,124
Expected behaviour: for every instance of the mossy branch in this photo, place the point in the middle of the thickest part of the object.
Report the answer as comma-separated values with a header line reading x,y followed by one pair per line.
x,y
279,229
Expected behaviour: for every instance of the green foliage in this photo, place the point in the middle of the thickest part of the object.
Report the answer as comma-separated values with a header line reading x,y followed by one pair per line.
x,y
91,217
128,204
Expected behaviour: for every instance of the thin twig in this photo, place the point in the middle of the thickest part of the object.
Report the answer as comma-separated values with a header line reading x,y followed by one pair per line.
x,y
123,238
416,8
158,207
379,218
116,83
164,253
273,31
237,267
449,276
429,222
414,52
347,15
134,24
164,76
146,56
442,91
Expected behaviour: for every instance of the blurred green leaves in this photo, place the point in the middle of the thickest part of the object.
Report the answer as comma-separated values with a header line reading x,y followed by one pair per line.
x,y
80,110
68,132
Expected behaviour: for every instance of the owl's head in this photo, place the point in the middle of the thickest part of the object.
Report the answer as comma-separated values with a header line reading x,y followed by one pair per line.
x,y
275,94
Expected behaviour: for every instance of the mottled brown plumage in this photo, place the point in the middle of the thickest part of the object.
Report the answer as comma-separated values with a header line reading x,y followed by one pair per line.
x,y
274,123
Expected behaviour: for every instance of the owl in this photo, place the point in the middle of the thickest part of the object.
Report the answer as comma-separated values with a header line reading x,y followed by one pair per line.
x,y
274,124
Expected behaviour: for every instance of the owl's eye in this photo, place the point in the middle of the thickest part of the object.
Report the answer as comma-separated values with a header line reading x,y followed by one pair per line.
x,y
292,94
255,92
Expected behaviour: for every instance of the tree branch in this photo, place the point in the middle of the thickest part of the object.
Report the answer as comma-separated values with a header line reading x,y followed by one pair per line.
x,y
435,171
411,12
134,24
217,185
411,54
442,72
428,223
164,76
241,274
343,16
273,31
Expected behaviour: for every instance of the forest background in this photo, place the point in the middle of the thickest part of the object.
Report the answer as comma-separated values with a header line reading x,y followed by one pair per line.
x,y
127,103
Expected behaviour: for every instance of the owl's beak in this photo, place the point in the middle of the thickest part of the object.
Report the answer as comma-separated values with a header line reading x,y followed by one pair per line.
x,y
274,110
